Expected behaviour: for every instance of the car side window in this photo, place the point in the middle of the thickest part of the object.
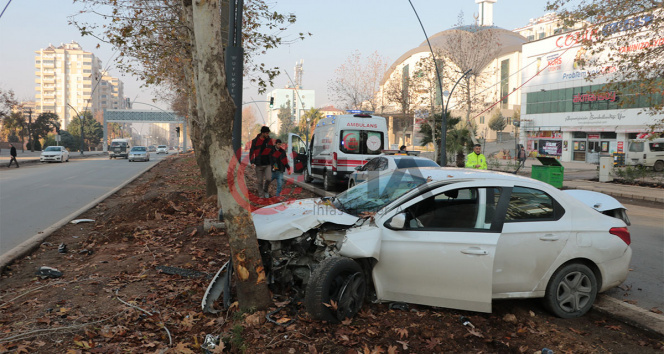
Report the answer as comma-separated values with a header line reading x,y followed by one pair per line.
x,y
464,209
382,164
371,165
528,204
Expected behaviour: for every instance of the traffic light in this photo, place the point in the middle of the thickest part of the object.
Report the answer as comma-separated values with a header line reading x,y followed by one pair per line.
x,y
271,102
177,130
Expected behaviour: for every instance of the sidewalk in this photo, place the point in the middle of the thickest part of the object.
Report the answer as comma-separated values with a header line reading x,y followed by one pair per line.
x,y
32,157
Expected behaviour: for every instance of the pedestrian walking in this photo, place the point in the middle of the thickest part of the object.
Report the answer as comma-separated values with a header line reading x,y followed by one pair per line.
x,y
259,154
476,159
279,163
522,157
12,152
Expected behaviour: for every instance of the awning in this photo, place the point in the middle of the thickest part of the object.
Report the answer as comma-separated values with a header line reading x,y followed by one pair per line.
x,y
590,128
636,129
542,128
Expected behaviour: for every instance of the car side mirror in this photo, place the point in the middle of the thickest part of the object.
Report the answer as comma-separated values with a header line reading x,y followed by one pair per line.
x,y
397,222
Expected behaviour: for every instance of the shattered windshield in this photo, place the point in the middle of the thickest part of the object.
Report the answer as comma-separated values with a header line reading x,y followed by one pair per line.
x,y
376,193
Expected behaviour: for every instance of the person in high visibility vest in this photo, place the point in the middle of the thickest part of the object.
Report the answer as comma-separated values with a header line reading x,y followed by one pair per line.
x,y
476,159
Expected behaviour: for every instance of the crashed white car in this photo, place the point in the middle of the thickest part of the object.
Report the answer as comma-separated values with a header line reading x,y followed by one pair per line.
x,y
445,237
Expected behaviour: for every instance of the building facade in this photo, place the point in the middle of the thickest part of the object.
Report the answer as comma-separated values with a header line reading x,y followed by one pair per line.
x,y
569,116
68,81
296,100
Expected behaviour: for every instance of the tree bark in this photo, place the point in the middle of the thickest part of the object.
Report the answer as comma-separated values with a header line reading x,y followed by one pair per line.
x,y
216,114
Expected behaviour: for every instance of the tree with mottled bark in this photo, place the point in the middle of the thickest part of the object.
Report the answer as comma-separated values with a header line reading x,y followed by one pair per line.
x,y
357,81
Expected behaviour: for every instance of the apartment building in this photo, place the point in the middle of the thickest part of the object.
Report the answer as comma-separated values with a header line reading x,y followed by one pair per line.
x,y
69,80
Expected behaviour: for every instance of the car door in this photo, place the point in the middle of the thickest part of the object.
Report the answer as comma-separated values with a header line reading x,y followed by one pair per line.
x,y
297,153
534,234
444,253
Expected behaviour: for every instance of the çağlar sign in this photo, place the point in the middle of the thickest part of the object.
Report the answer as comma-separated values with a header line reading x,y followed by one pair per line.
x,y
591,97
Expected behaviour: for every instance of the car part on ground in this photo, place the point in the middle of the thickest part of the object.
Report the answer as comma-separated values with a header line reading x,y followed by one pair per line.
x,y
220,285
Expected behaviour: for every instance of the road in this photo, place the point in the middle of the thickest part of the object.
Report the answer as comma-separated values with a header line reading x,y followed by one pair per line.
x,y
36,196
644,286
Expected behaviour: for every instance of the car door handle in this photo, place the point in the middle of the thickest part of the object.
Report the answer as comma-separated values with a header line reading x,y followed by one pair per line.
x,y
549,237
475,251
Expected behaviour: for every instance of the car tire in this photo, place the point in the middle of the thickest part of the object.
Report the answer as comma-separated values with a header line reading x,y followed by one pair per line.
x,y
351,183
571,291
659,166
307,176
327,185
337,279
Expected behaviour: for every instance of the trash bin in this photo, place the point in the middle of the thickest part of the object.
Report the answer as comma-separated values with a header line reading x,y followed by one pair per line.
x,y
551,171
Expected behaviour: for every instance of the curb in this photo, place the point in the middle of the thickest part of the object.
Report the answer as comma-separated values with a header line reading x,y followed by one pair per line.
x,y
631,314
35,241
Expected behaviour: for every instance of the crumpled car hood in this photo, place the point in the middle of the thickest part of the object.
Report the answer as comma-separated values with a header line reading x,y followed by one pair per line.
x,y
287,220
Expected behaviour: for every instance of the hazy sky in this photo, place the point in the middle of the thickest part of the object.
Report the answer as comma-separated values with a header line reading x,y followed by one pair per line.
x,y
338,28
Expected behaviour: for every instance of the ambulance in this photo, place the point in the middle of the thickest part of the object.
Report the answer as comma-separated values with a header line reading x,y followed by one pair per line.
x,y
338,145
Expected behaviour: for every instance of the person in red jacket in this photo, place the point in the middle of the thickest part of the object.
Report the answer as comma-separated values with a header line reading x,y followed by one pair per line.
x,y
259,154
279,162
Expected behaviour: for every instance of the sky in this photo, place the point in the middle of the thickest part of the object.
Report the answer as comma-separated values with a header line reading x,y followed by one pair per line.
x,y
338,28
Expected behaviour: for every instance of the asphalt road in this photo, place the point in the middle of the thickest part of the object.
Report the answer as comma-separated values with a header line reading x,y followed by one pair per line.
x,y
36,196
644,286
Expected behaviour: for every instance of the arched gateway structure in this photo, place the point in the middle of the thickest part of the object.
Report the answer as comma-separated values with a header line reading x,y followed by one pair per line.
x,y
138,116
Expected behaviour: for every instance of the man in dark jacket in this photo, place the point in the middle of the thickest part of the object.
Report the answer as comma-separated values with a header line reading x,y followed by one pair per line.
x,y
259,153
12,152
279,163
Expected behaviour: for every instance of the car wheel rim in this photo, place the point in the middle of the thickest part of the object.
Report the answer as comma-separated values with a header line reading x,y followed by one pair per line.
x,y
351,296
574,292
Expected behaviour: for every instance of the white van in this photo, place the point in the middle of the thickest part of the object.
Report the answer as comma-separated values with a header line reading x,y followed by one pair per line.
x,y
648,153
119,148
337,146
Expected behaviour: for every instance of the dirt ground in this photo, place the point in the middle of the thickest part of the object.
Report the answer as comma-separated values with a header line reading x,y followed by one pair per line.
x,y
111,298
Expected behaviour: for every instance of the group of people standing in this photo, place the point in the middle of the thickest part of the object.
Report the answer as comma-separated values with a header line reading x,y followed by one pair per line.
x,y
270,160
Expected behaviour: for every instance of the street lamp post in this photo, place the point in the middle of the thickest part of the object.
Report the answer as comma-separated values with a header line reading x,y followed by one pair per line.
x,y
443,128
80,121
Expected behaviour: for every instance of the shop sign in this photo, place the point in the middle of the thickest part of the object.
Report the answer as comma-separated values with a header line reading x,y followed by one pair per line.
x,y
620,146
593,136
551,147
591,97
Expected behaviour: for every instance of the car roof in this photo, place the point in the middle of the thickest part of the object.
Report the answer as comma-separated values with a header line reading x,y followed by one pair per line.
x,y
449,173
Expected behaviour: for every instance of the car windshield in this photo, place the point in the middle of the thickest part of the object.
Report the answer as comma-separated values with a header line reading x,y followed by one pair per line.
x,y
161,146
408,162
375,194
138,148
52,148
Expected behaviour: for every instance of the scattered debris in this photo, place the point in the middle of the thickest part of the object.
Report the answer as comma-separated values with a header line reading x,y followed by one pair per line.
x,y
547,351
187,273
85,251
466,322
511,318
48,272
398,306
62,248
77,221
211,343
220,284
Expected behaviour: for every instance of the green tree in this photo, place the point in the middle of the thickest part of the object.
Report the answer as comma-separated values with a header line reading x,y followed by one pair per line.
x,y
92,131
44,124
66,140
14,125
308,121
286,121
457,140
498,123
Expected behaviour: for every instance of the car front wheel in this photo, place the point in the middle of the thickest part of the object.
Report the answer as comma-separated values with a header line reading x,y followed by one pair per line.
x,y
336,290
659,166
351,183
571,291
327,184
307,176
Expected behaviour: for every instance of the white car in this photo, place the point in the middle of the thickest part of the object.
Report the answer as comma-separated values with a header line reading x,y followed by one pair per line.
x,y
162,149
139,153
446,237
54,154
386,163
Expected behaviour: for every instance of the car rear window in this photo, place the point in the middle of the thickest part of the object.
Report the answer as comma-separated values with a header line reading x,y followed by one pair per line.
x,y
406,162
365,142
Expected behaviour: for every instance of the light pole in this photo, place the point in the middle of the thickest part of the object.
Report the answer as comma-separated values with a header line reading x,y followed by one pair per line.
x,y
80,121
443,128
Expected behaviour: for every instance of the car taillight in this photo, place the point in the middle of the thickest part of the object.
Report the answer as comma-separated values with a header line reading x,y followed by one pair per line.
x,y
623,233
334,161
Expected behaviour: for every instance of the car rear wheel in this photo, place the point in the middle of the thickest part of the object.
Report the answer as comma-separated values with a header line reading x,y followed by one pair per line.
x,y
571,291
659,166
336,290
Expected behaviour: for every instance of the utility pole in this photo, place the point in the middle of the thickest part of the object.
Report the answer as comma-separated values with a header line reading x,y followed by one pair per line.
x,y
32,148
234,68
